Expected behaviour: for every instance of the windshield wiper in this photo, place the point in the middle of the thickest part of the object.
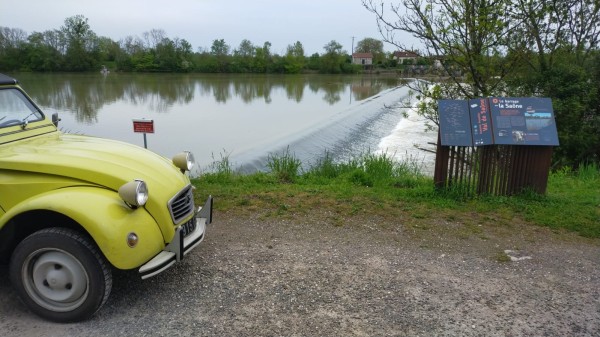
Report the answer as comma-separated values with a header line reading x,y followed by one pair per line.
x,y
25,121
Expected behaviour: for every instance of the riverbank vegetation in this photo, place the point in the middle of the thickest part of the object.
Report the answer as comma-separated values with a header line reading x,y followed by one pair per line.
x,y
376,186
76,47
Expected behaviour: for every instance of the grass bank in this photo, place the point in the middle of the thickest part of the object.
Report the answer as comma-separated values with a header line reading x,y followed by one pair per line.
x,y
375,186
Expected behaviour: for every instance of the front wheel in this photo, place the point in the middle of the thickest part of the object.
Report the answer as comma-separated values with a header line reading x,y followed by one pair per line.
x,y
60,275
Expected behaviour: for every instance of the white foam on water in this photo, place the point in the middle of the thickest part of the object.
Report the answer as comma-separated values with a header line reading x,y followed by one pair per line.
x,y
407,141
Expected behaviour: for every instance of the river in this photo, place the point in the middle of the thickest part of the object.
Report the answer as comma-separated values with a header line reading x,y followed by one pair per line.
x,y
243,117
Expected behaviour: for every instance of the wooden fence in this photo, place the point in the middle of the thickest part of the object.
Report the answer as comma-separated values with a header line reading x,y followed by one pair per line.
x,y
493,169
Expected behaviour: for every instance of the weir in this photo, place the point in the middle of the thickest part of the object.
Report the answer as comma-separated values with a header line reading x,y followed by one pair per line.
x,y
353,130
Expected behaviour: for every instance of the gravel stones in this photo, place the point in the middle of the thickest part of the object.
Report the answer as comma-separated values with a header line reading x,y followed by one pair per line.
x,y
298,276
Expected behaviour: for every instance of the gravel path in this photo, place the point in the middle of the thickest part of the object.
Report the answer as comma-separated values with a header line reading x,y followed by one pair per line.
x,y
304,276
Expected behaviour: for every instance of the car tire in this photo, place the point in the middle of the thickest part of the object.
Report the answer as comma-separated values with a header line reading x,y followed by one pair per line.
x,y
60,274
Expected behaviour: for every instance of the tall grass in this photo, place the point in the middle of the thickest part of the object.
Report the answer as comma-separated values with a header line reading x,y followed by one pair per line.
x,y
220,169
589,172
324,168
572,201
366,169
284,166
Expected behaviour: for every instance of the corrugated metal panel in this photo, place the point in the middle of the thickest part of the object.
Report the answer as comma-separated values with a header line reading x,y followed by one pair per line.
x,y
493,169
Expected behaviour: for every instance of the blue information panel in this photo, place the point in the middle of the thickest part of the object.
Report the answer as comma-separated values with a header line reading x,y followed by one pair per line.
x,y
523,121
497,120
455,123
481,121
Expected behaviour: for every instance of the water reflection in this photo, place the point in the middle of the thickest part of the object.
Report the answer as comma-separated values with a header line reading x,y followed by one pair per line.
x,y
206,114
84,95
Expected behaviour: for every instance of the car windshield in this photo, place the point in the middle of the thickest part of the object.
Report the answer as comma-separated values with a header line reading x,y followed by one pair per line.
x,y
16,109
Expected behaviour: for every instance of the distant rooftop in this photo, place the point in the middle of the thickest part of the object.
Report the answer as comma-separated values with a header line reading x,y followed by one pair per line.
x,y
405,54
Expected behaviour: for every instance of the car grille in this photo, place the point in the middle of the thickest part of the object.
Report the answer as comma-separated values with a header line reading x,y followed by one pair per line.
x,y
182,205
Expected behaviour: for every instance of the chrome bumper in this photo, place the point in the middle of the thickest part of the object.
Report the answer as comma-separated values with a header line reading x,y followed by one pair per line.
x,y
179,246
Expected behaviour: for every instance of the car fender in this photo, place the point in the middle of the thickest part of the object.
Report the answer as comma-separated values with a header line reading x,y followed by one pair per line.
x,y
105,217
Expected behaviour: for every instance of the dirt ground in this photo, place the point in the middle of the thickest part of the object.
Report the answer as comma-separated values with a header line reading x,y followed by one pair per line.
x,y
304,275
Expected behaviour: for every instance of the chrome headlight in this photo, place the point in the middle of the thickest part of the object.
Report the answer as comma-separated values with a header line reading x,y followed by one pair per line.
x,y
134,193
184,160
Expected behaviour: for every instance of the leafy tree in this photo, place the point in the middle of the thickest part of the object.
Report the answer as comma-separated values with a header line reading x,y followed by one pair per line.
x,y
108,49
11,38
12,41
296,50
295,59
166,56
262,58
314,62
243,56
205,62
333,59
245,50
549,27
144,62
373,46
469,34
185,54
131,48
56,40
81,42
558,43
153,38
220,50
40,55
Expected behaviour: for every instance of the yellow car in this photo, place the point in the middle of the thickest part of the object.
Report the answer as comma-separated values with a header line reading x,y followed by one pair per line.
x,y
72,207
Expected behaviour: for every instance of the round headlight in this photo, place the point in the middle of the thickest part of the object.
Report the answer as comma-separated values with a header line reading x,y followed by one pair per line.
x,y
134,193
184,160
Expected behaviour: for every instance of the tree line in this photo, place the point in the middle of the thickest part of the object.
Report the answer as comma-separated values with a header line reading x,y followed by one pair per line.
x,y
75,47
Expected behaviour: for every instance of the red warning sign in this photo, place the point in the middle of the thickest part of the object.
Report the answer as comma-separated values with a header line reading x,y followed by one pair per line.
x,y
143,125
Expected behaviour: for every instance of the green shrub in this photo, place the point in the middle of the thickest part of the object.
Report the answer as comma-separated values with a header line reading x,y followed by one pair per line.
x,y
589,172
361,178
284,166
324,168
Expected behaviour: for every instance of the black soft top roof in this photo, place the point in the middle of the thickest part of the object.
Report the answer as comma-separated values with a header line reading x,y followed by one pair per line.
x,y
7,80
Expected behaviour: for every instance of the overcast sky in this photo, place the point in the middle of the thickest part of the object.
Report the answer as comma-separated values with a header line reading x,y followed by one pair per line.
x,y
282,22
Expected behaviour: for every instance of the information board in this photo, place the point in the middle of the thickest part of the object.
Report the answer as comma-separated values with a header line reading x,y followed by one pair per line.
x,y
481,121
497,120
523,121
455,123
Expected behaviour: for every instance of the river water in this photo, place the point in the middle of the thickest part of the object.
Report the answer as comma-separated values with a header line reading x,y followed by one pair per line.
x,y
243,117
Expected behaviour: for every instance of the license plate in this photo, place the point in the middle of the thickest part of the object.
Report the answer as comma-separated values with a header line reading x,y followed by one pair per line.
x,y
188,227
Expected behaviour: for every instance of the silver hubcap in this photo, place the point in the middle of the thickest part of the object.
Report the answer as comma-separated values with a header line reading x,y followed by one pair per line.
x,y
55,280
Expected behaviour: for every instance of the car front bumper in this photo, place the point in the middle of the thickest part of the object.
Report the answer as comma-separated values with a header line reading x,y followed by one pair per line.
x,y
181,243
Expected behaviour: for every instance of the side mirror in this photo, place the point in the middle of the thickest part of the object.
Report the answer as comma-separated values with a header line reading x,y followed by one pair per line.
x,y
55,119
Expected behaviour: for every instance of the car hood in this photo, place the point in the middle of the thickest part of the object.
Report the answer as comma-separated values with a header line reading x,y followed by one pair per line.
x,y
95,161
